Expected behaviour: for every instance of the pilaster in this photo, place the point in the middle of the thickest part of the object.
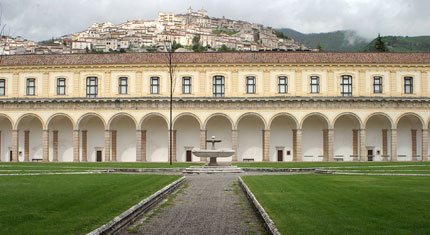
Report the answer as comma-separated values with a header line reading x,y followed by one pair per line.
x,y
355,143
45,145
114,145
174,146
138,145
84,146
384,142
107,80
424,84
15,146
425,145
234,83
330,136
266,145
330,83
298,89
55,145
143,145
26,146
393,145
0,145
234,144
77,91
266,82
363,150
297,145
45,84
108,146
361,84
76,145
138,82
414,142
202,83
15,85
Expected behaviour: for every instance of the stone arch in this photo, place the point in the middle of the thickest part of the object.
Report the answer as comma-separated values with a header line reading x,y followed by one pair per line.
x,y
360,123
27,115
149,115
315,114
109,124
186,114
251,114
283,114
219,114
423,125
87,115
8,118
58,115
382,114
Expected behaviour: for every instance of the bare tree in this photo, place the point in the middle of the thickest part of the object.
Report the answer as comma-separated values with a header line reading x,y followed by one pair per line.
x,y
171,64
2,29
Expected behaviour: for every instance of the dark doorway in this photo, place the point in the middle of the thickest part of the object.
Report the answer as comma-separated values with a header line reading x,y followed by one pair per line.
x,y
370,155
10,155
280,155
99,156
188,155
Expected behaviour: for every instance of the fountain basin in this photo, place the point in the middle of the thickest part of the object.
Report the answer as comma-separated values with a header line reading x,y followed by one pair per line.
x,y
213,154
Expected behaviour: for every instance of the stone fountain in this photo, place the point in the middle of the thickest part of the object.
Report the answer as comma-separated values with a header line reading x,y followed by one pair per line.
x,y
213,153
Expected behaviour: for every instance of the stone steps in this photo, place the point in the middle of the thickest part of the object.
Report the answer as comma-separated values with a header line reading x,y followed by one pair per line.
x,y
212,169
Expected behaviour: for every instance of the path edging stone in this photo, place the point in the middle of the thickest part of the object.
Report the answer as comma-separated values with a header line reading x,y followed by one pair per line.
x,y
259,169
124,218
269,225
146,169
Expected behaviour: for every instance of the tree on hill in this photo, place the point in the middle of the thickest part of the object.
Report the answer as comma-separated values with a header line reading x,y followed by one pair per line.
x,y
225,48
319,47
380,44
197,47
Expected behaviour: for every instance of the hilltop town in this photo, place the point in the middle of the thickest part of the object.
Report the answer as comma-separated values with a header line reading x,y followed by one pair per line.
x,y
192,31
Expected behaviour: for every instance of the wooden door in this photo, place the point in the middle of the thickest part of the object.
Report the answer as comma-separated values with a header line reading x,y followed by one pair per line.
x,y
10,155
188,155
280,155
99,156
370,155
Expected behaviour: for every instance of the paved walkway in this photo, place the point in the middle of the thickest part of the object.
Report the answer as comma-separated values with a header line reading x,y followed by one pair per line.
x,y
209,204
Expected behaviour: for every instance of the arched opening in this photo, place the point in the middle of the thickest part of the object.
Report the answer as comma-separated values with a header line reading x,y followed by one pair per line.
x,y
315,138
281,138
157,142
5,139
187,137
250,138
378,138
409,138
220,127
30,138
123,139
92,138
346,138
60,139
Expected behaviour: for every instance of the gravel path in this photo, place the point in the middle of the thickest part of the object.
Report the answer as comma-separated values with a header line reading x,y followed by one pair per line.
x,y
208,204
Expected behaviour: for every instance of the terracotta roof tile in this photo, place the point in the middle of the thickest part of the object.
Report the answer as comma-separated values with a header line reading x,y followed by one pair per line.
x,y
215,57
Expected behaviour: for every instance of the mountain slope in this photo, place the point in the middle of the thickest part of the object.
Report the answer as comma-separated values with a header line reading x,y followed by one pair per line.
x,y
344,40
403,44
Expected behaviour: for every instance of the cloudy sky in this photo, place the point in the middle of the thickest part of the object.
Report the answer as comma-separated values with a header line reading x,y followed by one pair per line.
x,y
44,19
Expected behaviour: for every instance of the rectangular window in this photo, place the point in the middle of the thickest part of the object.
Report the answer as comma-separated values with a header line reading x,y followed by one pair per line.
x,y
250,85
282,84
61,86
346,85
2,87
122,85
409,85
186,85
218,86
377,84
315,84
92,87
155,85
31,86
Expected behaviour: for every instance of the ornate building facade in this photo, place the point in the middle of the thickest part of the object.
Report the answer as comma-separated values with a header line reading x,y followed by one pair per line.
x,y
268,106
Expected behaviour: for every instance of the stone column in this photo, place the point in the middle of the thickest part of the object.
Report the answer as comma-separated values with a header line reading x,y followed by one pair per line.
x,y
424,145
203,139
266,145
330,137
325,144
45,145
355,142
76,145
143,145
234,144
174,146
15,146
107,145
393,145
363,150
114,146
384,142
55,146
414,142
26,146
138,146
84,146
297,145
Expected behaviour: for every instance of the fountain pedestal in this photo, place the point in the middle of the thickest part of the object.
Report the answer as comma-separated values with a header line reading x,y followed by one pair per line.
x,y
213,153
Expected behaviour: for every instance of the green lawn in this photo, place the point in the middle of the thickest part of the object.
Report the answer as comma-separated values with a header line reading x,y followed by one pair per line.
x,y
338,204
70,204
322,164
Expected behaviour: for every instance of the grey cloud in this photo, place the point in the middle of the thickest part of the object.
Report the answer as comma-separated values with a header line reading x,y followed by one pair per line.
x,y
43,19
